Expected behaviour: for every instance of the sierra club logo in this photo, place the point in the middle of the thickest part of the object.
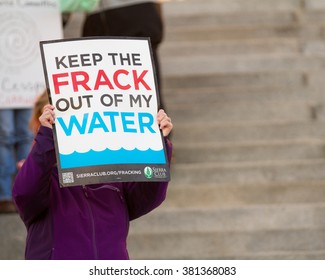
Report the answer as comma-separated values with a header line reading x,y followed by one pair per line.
x,y
148,172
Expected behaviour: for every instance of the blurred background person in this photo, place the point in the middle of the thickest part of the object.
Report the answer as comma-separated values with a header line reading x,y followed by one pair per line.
x,y
41,101
131,18
15,143
34,122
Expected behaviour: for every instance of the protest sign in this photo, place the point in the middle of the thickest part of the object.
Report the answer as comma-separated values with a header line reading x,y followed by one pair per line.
x,y
105,96
23,24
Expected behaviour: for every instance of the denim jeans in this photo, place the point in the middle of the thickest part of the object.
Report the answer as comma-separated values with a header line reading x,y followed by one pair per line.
x,y
15,143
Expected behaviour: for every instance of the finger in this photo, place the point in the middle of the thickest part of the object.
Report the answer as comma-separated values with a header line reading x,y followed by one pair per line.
x,y
166,129
165,119
165,123
48,107
160,115
49,113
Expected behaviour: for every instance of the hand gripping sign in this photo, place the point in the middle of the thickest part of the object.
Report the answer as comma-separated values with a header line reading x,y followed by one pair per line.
x,y
105,96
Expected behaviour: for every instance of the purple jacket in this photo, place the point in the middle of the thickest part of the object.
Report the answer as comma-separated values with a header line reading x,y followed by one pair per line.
x,y
89,222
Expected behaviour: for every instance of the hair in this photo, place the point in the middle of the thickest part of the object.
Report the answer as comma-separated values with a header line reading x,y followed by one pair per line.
x,y
40,102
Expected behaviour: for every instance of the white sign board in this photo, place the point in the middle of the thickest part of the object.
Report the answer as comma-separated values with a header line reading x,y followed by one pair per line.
x,y
23,24
105,96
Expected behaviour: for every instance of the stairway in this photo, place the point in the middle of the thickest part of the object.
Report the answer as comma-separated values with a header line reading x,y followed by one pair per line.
x,y
244,84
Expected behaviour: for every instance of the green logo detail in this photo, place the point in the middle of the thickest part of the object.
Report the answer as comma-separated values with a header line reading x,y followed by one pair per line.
x,y
148,172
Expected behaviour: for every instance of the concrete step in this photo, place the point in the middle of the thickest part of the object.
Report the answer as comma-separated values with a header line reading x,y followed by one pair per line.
x,y
318,5
312,32
310,81
302,19
250,151
260,172
214,132
257,94
282,86
252,218
276,86
13,234
237,80
264,46
216,195
190,7
276,244
227,112
199,15
208,65
261,86
314,47
232,232
314,15
238,19
213,32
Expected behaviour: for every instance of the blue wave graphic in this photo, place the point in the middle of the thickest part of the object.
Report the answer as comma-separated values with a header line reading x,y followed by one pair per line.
x,y
107,156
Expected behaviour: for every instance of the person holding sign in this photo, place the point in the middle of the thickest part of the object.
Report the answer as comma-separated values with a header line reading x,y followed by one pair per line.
x,y
80,222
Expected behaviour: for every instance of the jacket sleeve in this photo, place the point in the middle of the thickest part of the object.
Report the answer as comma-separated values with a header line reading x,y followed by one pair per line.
x,y
31,190
143,197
